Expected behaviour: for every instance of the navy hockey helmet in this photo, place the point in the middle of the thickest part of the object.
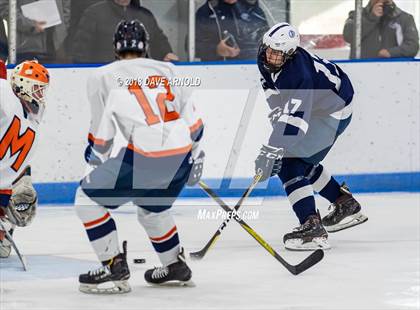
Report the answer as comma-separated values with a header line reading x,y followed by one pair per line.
x,y
131,36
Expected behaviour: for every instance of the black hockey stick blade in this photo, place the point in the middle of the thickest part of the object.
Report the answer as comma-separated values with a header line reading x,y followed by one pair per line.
x,y
307,263
200,254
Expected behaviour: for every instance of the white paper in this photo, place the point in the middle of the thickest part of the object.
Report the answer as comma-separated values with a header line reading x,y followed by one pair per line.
x,y
42,11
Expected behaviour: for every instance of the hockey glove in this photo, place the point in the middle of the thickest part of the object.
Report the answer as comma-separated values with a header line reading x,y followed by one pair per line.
x,y
22,206
197,169
92,157
268,161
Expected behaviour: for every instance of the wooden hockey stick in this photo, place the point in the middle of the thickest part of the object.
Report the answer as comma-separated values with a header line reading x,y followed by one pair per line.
x,y
10,239
200,254
307,263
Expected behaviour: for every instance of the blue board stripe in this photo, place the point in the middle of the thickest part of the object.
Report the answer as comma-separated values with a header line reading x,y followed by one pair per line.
x,y
230,63
63,193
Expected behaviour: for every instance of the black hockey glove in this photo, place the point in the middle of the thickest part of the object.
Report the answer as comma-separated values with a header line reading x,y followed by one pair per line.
x,y
268,161
197,169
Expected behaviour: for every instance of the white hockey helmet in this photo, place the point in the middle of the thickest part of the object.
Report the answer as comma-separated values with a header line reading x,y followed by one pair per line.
x,y
283,40
29,82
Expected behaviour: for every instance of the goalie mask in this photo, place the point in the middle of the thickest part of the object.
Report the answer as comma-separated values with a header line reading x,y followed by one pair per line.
x,y
29,82
279,45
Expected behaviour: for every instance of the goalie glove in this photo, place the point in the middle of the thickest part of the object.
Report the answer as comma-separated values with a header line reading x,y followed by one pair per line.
x,y
23,202
268,162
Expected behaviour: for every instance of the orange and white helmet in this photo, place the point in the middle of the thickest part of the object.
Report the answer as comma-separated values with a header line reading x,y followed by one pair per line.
x,y
30,81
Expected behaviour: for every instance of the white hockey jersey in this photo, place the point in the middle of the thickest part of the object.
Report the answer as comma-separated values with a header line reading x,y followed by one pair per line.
x,y
156,118
18,137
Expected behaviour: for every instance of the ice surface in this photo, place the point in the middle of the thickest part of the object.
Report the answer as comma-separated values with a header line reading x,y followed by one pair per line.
x,y
372,266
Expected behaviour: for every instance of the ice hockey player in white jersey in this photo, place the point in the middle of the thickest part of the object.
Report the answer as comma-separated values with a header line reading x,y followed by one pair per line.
x,y
311,103
133,96
22,104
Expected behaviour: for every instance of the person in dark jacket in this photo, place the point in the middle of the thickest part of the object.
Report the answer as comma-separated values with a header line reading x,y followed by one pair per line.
x,y
229,29
387,31
94,35
3,42
33,39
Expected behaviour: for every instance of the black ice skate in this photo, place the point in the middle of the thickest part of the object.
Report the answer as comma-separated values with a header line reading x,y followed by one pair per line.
x,y
346,212
310,236
177,273
110,278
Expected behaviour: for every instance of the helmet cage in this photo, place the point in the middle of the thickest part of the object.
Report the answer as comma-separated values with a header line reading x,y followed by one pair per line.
x,y
30,82
280,58
33,96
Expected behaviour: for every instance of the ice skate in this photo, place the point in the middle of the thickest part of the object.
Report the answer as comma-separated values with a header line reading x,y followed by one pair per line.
x,y
108,279
177,273
310,236
345,212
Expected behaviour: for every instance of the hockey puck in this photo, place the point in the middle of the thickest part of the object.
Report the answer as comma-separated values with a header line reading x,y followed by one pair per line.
x,y
139,260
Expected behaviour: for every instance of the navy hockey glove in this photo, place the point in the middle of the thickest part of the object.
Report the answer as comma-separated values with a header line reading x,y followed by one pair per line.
x,y
91,157
197,169
268,161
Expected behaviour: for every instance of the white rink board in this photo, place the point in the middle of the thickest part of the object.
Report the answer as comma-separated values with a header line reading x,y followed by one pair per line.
x,y
383,136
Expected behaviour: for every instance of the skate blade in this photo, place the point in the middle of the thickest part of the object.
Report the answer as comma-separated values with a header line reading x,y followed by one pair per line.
x,y
315,244
188,283
349,221
107,288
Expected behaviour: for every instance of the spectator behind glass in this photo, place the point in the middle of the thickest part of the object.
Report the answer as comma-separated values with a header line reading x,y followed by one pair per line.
x,y
244,20
78,7
387,31
33,40
95,32
3,42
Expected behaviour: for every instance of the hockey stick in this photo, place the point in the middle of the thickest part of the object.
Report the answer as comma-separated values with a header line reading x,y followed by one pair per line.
x,y
200,254
307,263
10,239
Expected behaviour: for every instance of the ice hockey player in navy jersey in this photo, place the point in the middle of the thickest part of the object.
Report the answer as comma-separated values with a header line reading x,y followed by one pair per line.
x,y
311,105
155,130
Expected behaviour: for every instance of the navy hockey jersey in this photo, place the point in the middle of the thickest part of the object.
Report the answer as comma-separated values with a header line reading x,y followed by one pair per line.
x,y
306,87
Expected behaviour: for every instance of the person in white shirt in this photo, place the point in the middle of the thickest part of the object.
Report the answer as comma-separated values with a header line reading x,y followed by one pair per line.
x,y
160,131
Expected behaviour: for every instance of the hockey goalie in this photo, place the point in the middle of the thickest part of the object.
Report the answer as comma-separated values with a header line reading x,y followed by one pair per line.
x,y
22,104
